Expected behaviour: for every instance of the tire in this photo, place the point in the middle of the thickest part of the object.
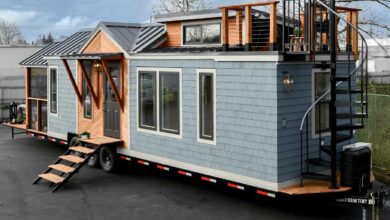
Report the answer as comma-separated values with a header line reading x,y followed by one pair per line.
x,y
93,161
107,159
73,143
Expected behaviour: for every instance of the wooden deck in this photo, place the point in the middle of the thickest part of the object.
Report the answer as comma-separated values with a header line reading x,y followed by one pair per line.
x,y
313,187
17,126
99,141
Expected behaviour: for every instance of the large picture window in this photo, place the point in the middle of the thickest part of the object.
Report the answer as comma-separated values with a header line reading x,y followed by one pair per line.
x,y
202,34
206,105
38,83
159,101
53,90
321,85
87,96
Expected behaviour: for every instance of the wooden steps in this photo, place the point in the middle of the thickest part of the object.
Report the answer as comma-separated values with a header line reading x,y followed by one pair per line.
x,y
62,168
83,150
77,156
72,158
52,178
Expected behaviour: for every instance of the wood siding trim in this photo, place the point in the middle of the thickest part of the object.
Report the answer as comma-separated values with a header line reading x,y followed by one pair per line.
x,y
27,92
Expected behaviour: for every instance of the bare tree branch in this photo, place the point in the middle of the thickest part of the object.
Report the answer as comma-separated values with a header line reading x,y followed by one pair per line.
x,y
172,6
9,32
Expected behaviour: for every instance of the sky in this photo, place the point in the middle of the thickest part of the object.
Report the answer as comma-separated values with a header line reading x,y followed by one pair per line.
x,y
64,17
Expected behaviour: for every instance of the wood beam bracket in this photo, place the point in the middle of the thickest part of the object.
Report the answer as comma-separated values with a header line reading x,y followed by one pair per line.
x,y
72,80
112,84
89,84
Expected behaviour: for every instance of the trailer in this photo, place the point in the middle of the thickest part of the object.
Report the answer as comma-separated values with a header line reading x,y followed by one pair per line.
x,y
239,96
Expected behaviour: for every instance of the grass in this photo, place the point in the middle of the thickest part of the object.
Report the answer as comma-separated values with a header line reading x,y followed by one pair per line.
x,y
377,130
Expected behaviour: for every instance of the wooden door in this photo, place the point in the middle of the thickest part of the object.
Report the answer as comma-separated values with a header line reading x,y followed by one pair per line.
x,y
111,106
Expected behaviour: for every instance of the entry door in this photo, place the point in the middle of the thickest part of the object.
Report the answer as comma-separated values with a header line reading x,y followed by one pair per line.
x,y
111,105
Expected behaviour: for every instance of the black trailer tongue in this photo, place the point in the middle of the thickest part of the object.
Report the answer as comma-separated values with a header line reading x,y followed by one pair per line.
x,y
375,201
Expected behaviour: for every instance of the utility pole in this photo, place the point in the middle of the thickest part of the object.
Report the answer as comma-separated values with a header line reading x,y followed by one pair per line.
x,y
332,107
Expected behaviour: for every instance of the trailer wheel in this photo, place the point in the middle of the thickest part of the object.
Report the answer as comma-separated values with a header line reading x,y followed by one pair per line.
x,y
73,143
93,161
107,159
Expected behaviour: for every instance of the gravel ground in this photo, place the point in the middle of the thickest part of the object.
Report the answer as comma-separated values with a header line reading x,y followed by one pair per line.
x,y
133,193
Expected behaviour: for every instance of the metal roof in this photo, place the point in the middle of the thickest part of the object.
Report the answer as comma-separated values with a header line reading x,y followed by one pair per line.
x,y
133,37
68,46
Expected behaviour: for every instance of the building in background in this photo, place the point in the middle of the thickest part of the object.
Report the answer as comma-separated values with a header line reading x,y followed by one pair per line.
x,y
378,64
12,87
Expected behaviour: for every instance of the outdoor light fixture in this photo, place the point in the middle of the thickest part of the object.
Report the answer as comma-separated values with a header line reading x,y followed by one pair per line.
x,y
288,81
98,66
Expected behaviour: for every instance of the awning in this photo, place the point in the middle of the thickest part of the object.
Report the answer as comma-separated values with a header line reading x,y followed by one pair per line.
x,y
93,56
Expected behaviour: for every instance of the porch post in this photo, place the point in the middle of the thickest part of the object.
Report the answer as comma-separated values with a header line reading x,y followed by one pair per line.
x,y
248,28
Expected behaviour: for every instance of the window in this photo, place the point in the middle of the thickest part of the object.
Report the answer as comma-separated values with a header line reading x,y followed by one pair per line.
x,y
53,90
147,100
206,105
87,96
169,101
159,100
202,34
38,83
321,114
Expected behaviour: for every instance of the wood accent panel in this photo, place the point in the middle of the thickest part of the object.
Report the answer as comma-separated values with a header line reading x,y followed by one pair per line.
x,y
225,27
312,187
239,18
355,35
103,44
174,38
235,33
248,24
273,26
27,83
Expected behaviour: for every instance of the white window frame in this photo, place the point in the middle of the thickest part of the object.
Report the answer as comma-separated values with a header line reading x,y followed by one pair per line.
x,y
214,73
190,23
157,72
49,90
313,97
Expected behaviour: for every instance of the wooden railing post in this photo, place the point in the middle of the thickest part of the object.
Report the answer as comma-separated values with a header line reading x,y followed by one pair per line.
x,y
273,27
348,31
225,29
248,28
28,103
239,26
355,36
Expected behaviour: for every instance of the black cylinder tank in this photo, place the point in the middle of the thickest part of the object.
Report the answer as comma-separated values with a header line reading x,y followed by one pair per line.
x,y
356,168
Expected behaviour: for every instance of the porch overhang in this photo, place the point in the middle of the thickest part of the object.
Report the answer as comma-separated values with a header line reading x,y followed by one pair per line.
x,y
94,56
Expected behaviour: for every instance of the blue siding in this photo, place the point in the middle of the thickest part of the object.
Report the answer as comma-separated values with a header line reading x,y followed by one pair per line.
x,y
292,107
246,118
66,120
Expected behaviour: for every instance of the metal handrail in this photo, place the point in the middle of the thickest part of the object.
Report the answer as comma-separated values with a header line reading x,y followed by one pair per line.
x,y
364,60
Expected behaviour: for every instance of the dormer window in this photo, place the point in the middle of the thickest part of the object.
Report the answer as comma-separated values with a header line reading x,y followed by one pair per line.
x,y
202,34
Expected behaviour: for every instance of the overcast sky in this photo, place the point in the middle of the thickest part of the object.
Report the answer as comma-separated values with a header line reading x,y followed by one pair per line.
x,y
63,17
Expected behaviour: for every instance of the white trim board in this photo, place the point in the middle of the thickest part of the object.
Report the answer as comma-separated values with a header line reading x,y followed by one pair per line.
x,y
214,74
49,90
217,58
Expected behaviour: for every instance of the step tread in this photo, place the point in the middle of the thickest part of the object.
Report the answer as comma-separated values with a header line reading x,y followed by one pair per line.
x,y
326,148
350,103
316,176
72,158
342,137
352,126
83,150
350,115
346,91
52,178
319,162
341,78
62,168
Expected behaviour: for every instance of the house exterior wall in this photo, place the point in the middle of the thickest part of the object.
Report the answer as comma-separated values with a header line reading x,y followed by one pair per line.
x,y
246,118
291,109
102,43
66,118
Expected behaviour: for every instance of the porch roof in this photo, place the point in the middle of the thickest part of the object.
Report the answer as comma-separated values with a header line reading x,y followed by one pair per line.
x,y
92,56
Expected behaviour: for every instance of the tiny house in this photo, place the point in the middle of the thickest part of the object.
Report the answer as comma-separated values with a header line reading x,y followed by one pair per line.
x,y
239,96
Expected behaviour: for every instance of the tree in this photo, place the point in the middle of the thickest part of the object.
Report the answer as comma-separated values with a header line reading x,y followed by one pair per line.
x,y
49,39
9,32
172,6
